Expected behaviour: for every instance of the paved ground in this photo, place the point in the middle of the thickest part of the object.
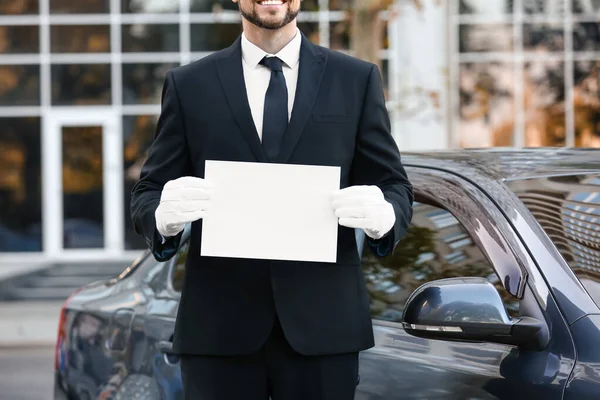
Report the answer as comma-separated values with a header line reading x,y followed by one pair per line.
x,y
28,323
26,373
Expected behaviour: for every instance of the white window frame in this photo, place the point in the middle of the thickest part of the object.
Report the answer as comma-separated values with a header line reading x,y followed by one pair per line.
x,y
52,189
111,116
519,57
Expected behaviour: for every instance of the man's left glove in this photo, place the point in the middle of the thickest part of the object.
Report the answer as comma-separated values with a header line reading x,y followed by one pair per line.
x,y
364,207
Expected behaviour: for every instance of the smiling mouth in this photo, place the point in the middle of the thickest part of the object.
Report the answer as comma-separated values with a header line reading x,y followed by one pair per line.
x,y
271,2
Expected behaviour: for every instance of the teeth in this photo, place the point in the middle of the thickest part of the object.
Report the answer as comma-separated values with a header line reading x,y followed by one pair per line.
x,y
271,2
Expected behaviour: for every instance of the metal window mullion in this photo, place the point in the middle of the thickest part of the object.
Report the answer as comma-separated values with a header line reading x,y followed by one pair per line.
x,y
454,76
20,59
518,68
324,20
141,109
52,211
185,36
15,20
20,111
112,145
569,78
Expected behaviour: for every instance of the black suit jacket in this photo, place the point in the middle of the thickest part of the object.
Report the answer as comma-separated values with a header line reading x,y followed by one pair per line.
x,y
228,306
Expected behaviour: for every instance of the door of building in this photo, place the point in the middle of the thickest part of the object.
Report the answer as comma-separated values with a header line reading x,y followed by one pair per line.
x,y
82,184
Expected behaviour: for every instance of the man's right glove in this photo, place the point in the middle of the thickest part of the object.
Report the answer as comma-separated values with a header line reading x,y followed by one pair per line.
x,y
183,200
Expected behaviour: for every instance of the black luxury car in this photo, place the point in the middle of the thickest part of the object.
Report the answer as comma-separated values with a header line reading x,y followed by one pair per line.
x,y
493,294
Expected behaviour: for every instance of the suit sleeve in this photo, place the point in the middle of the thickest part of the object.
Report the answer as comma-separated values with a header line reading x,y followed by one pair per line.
x,y
377,161
168,159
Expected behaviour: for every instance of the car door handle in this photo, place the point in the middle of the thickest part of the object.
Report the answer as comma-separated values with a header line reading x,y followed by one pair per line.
x,y
166,348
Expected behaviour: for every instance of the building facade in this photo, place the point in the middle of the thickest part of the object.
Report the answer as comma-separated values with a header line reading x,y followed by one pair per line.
x,y
80,86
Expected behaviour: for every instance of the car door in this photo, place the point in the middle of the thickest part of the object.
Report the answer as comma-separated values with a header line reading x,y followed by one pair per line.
x,y
458,231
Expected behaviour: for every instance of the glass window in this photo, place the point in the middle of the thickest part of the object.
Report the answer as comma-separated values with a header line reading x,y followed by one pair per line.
x,y
311,30
178,274
339,38
153,7
19,7
585,103
486,7
568,209
543,7
486,104
207,6
544,37
140,38
585,6
313,5
339,34
142,83
19,85
544,87
79,7
213,37
586,36
81,84
430,251
83,189
80,39
138,134
20,185
19,39
477,38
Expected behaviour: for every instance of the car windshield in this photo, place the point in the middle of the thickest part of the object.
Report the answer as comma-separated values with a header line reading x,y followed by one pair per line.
x,y
568,209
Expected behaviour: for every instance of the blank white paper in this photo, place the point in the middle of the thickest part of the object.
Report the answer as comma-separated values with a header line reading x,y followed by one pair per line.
x,y
271,211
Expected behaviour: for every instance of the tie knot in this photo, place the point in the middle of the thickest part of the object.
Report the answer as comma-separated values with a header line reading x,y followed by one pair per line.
x,y
273,63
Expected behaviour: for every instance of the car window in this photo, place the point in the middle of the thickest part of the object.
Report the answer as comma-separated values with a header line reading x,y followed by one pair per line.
x,y
568,209
178,268
437,246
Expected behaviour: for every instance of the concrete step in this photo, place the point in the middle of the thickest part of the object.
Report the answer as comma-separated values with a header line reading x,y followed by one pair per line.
x,y
84,270
39,294
57,281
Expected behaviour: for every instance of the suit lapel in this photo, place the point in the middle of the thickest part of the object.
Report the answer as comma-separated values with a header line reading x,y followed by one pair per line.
x,y
312,66
231,74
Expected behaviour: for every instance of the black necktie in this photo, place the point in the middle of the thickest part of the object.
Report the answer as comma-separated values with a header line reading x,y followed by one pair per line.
x,y
275,118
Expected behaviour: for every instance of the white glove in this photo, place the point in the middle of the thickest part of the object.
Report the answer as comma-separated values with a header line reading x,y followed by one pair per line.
x,y
182,200
364,207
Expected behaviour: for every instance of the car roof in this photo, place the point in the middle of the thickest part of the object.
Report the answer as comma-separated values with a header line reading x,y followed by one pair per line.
x,y
510,163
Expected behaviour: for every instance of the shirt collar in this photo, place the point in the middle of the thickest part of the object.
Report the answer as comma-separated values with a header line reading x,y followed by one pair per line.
x,y
290,54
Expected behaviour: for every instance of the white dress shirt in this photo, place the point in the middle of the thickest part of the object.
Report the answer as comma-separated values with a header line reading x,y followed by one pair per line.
x,y
257,76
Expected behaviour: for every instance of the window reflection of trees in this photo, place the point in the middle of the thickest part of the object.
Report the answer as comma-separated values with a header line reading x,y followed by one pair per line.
x,y
80,38
20,185
486,104
139,38
138,133
436,247
19,85
79,7
178,274
19,7
80,84
487,120
586,98
142,83
19,39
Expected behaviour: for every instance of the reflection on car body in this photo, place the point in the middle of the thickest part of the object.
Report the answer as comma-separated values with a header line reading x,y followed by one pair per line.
x,y
493,293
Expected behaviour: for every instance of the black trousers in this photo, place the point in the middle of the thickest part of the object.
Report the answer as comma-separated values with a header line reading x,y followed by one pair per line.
x,y
276,372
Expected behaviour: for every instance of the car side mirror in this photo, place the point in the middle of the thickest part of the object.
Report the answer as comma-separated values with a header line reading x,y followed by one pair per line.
x,y
469,309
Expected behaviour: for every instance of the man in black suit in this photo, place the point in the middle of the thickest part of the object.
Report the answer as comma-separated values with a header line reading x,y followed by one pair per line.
x,y
252,329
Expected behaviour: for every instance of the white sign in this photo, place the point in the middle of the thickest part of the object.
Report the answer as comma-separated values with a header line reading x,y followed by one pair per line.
x,y
271,211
